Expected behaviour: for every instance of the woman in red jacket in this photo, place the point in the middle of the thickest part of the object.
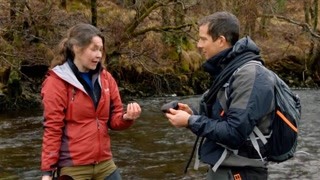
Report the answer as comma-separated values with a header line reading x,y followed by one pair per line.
x,y
81,102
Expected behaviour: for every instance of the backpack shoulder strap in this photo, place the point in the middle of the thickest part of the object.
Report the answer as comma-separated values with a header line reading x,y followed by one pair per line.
x,y
256,133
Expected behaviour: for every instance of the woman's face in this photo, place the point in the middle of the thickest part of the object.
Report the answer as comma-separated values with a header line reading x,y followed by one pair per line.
x,y
88,58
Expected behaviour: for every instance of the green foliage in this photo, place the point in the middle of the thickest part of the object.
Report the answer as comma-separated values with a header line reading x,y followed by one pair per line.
x,y
184,66
280,5
14,76
5,46
183,78
179,41
190,61
173,55
2,91
200,81
158,51
78,5
185,61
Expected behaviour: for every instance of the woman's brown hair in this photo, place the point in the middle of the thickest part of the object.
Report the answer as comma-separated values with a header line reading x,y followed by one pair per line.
x,y
79,35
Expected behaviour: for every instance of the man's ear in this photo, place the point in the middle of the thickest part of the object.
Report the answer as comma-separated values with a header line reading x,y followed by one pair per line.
x,y
223,42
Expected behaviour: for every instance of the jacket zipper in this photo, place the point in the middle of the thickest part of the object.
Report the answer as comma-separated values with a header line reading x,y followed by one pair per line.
x,y
72,100
99,143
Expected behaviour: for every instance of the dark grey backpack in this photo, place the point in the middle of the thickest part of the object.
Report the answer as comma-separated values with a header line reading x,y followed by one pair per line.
x,y
283,140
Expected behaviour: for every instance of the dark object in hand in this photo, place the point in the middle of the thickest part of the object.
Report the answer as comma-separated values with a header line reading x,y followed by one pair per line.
x,y
173,104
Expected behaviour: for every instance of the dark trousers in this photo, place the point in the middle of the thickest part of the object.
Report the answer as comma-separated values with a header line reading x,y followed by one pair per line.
x,y
238,173
115,175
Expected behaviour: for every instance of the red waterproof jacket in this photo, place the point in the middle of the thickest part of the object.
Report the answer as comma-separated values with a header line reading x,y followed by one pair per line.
x,y
75,132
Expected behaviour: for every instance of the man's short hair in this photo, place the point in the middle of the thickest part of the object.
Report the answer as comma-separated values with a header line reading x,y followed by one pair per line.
x,y
222,24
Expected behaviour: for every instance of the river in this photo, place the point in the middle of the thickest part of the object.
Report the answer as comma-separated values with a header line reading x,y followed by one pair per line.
x,y
152,148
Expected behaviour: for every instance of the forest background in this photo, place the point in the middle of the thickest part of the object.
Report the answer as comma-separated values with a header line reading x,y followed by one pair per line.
x,y
151,44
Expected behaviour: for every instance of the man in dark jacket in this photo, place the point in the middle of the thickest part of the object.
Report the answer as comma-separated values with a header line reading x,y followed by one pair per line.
x,y
240,99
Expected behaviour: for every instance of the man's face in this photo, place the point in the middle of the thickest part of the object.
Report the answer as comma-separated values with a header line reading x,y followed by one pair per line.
x,y
206,44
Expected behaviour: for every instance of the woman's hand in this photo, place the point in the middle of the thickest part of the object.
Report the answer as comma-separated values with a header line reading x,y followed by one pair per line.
x,y
133,111
46,177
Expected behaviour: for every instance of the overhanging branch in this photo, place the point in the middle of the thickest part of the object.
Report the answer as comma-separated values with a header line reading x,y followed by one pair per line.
x,y
160,29
305,26
139,19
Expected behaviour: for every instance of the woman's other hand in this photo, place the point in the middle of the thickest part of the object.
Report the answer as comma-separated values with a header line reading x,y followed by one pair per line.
x,y
46,177
133,111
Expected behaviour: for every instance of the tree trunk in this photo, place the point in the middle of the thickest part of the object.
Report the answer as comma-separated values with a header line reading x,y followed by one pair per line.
x,y
315,12
13,6
312,64
250,12
94,13
264,20
63,4
306,11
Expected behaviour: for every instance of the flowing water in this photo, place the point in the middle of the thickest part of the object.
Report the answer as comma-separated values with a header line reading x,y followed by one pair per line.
x,y
152,148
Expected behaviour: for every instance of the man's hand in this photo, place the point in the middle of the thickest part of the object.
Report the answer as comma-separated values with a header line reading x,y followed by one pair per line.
x,y
178,118
185,107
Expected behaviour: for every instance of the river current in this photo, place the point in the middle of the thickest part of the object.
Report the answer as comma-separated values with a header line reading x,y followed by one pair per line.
x,y
152,148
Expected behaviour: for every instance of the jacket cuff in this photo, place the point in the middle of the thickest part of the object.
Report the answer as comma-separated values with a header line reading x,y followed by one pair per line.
x,y
194,111
192,119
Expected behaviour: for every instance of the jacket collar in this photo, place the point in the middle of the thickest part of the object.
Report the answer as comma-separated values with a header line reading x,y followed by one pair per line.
x,y
214,65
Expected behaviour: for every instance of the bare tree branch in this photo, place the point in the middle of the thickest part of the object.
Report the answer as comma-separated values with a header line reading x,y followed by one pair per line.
x,y
305,26
140,17
160,29
6,54
15,67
